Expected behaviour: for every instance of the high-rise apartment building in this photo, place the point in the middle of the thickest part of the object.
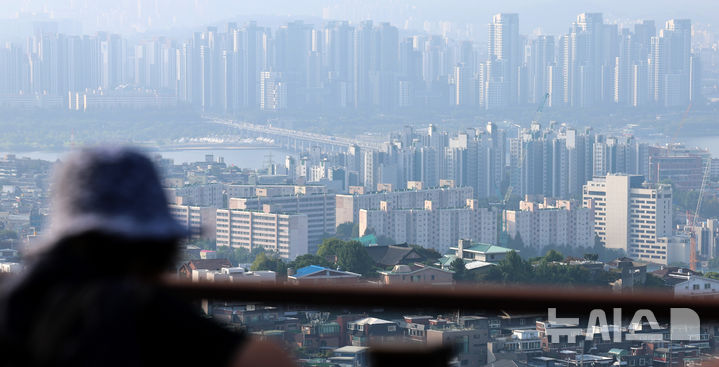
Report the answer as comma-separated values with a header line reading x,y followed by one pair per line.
x,y
318,207
630,214
504,60
285,234
547,223
200,221
349,206
432,227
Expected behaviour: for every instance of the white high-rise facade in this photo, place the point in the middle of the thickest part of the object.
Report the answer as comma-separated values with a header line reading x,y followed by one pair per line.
x,y
504,60
630,214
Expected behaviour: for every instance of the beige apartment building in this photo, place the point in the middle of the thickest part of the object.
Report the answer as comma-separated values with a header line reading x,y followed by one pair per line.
x,y
318,207
432,227
285,234
551,222
630,214
349,206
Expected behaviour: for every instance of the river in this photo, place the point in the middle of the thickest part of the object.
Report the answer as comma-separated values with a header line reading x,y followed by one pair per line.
x,y
245,157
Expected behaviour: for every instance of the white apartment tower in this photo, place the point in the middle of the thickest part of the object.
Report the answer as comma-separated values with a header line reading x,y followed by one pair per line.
x,y
630,214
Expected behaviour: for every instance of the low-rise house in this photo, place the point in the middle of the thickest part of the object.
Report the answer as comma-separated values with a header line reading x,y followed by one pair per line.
x,y
414,328
254,318
314,274
623,357
697,286
468,251
632,274
186,269
675,355
373,331
236,274
350,356
416,274
673,275
321,336
570,358
522,344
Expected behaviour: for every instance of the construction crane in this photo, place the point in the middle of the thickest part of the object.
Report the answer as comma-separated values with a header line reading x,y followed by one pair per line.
x,y
693,225
541,106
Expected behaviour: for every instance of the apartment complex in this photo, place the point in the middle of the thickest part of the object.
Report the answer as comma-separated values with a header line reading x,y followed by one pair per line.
x,y
431,227
285,234
559,223
318,207
198,195
630,214
349,206
199,220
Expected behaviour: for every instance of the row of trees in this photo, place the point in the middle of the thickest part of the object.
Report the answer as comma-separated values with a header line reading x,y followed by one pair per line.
x,y
540,270
598,252
332,253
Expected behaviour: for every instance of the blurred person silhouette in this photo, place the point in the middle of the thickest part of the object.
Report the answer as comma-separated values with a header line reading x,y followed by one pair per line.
x,y
91,296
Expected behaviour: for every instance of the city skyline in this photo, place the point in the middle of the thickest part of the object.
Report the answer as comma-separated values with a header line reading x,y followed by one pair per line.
x,y
131,16
368,66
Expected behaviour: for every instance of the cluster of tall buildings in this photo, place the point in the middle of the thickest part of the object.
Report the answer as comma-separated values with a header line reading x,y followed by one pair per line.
x,y
553,161
369,65
594,64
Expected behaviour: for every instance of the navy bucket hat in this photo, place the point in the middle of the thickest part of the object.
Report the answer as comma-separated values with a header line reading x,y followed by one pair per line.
x,y
110,190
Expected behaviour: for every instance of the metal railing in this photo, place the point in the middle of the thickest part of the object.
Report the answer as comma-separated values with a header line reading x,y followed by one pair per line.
x,y
462,297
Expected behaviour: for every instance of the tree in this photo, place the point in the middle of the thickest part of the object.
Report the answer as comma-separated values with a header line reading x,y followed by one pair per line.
x,y
457,266
513,269
328,248
516,242
653,281
238,255
591,257
553,255
344,230
264,261
352,256
348,255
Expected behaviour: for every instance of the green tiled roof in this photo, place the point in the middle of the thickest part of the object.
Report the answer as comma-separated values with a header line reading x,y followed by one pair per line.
x,y
446,259
488,249
366,240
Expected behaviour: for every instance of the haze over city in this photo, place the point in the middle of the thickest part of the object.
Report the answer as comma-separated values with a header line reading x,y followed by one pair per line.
x,y
327,180
468,18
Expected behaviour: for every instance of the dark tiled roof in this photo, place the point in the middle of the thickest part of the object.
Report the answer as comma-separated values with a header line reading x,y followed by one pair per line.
x,y
663,273
393,255
209,264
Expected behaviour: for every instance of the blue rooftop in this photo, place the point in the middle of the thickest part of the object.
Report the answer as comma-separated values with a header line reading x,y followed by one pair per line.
x,y
307,270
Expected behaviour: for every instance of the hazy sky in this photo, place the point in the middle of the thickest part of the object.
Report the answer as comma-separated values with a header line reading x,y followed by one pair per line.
x,y
551,16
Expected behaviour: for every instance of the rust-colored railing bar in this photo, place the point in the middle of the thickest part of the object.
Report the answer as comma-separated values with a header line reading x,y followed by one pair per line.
x,y
478,297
